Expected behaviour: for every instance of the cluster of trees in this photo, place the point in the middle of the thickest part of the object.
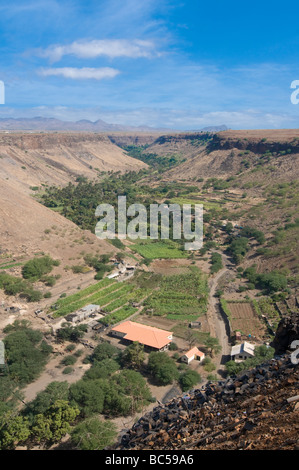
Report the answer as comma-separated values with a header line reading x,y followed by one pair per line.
x,y
99,264
34,270
26,353
79,201
239,246
102,390
71,333
238,249
155,161
270,282
13,285
114,386
41,428
216,260
105,388
250,232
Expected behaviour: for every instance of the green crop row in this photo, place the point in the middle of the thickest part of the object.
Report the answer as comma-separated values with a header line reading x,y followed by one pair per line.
x,y
119,315
85,292
100,297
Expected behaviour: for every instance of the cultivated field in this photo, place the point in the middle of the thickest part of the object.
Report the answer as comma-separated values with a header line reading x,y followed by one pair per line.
x,y
244,319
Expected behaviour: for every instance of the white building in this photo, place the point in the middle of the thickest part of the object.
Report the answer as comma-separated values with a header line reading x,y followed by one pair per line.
x,y
83,313
194,353
242,351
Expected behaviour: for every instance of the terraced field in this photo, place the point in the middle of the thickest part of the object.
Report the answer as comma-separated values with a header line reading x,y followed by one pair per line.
x,y
180,297
113,297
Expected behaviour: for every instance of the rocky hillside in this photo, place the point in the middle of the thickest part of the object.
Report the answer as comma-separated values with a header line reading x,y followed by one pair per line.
x,y
256,410
287,332
56,158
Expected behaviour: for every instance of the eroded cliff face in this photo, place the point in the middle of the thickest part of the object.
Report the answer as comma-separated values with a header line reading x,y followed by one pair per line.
x,y
289,143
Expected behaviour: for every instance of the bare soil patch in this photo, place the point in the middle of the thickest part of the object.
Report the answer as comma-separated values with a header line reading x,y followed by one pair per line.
x,y
245,319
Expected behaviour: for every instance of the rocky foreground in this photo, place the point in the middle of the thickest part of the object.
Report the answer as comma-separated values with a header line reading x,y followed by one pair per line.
x,y
259,409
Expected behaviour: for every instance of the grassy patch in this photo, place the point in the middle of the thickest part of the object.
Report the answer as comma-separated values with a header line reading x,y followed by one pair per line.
x,y
151,249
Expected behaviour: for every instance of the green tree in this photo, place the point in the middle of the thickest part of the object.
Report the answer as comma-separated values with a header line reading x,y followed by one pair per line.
x,y
131,384
88,395
134,355
38,267
26,355
213,345
55,423
53,392
93,434
102,370
71,333
13,429
188,379
103,351
162,368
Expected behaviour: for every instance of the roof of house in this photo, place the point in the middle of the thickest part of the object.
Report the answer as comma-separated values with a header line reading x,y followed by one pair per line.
x,y
144,334
193,352
89,308
245,347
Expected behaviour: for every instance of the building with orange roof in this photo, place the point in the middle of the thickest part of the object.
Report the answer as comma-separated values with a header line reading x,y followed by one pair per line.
x,y
194,353
152,338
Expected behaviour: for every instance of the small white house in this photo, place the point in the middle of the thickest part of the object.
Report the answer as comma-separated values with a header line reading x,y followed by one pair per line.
x,y
194,353
83,313
242,351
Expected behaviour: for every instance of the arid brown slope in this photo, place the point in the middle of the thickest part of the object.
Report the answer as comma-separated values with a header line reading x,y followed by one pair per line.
x,y
23,223
27,228
57,158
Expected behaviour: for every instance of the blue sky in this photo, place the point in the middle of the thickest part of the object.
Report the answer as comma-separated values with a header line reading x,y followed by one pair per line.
x,y
177,64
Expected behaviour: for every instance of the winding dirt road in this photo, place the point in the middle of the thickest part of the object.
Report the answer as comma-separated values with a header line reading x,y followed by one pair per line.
x,y
214,317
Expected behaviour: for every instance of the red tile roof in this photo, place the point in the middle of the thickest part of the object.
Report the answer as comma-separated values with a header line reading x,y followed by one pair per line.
x,y
194,352
144,334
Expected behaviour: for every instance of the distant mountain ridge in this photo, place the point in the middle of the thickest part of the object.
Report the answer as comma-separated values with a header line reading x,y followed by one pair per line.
x,y
52,124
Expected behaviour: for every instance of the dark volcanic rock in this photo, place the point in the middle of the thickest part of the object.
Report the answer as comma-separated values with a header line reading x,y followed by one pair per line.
x,y
256,410
287,331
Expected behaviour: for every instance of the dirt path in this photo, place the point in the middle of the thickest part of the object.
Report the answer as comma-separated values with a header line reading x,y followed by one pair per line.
x,y
53,374
214,317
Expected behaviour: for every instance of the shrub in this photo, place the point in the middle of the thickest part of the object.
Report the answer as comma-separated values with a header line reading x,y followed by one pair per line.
x,y
36,268
69,360
67,370
188,379
93,434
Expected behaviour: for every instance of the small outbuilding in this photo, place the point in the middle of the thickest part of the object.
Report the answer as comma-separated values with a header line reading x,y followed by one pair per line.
x,y
194,353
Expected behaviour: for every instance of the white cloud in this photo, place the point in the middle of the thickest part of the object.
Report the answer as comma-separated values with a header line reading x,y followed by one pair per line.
x,y
105,47
80,74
